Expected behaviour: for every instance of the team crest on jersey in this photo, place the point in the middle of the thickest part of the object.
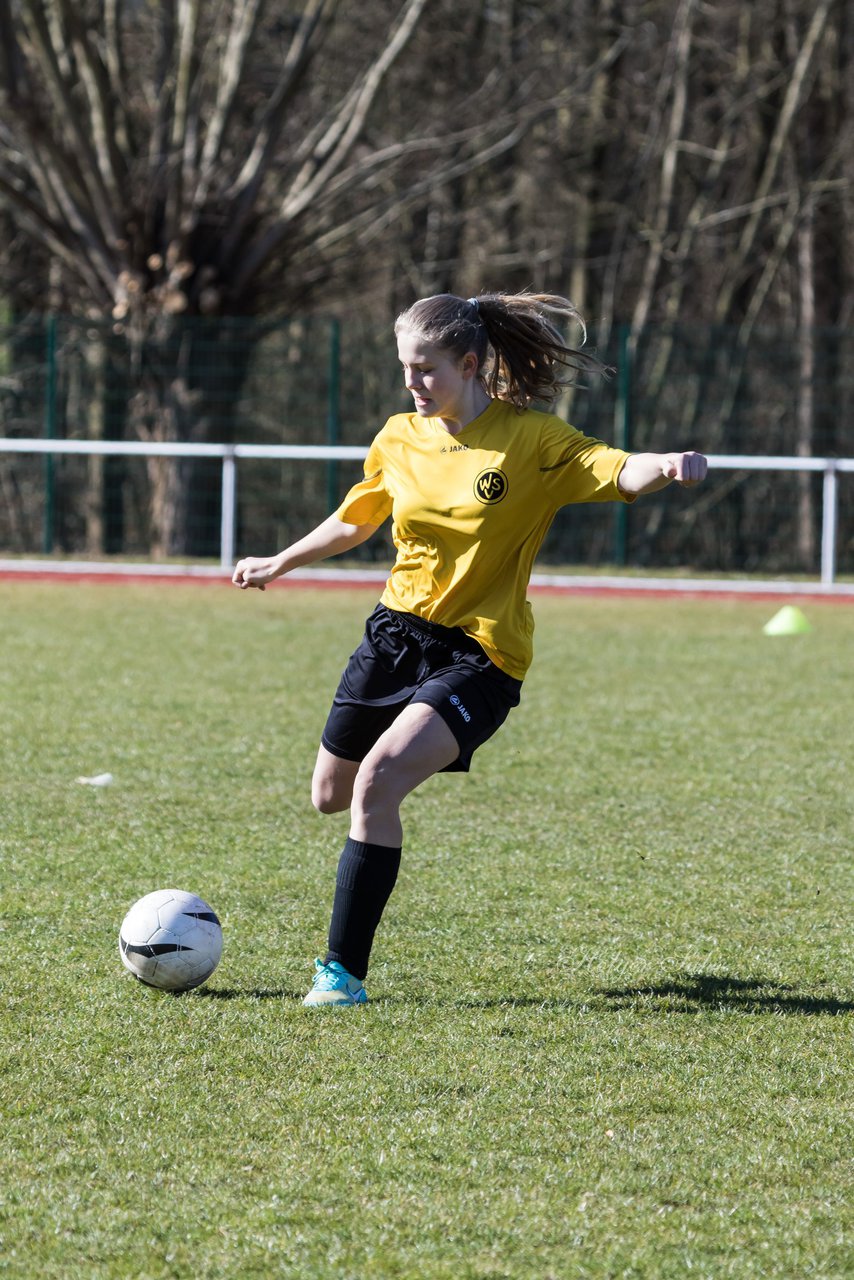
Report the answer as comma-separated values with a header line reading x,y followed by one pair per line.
x,y
490,486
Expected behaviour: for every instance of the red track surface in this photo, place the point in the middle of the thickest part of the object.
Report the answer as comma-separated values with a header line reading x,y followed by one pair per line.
x,y
681,589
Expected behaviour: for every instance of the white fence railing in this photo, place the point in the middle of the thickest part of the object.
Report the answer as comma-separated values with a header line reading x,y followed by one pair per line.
x,y
230,454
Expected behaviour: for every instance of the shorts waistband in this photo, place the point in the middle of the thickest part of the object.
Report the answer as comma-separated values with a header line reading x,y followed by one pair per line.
x,y
429,628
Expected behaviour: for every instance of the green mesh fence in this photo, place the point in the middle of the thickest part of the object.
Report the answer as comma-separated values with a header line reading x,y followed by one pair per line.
x,y
316,380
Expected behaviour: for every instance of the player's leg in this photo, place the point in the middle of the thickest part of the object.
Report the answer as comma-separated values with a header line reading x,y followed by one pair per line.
x,y
418,744
404,728
378,682
332,783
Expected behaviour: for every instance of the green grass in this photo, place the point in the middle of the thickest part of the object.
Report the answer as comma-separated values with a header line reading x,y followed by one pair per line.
x,y
611,1022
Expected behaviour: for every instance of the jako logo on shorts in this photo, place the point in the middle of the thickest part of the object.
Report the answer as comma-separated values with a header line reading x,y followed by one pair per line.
x,y
455,702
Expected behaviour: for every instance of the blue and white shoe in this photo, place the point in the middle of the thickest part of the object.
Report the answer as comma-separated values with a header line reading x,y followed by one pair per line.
x,y
335,986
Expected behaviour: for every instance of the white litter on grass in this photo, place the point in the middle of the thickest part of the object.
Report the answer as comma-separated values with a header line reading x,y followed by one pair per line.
x,y
97,780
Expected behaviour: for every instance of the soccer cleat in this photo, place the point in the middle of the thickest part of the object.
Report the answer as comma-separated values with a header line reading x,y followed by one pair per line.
x,y
333,985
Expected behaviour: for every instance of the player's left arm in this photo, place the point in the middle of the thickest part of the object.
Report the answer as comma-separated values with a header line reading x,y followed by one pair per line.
x,y
648,472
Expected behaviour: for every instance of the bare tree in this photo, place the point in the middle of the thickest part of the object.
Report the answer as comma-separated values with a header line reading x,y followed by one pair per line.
x,y
183,160
681,169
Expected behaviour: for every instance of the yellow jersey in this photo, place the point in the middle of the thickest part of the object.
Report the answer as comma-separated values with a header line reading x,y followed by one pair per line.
x,y
470,512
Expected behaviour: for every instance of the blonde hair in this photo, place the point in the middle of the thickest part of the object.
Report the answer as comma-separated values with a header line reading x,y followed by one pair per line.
x,y
522,355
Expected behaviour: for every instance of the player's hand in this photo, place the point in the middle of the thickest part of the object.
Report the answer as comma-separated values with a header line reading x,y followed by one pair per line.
x,y
253,571
685,468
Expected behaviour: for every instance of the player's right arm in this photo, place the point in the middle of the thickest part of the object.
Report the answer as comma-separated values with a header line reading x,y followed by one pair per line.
x,y
328,539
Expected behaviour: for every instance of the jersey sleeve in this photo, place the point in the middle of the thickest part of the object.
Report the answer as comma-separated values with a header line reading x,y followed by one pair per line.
x,y
368,502
578,468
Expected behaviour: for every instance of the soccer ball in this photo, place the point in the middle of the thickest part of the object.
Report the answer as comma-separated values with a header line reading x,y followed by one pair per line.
x,y
171,939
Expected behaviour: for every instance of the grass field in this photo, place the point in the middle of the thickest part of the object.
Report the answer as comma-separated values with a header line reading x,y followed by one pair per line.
x,y
612,1003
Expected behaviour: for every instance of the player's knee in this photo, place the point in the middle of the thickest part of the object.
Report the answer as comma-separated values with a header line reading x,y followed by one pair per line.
x,y
329,803
327,798
332,783
330,795
375,789
325,803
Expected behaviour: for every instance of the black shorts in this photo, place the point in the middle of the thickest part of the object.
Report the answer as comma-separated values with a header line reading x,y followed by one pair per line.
x,y
404,659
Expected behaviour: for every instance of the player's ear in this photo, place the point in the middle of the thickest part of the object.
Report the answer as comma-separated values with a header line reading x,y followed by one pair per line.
x,y
469,365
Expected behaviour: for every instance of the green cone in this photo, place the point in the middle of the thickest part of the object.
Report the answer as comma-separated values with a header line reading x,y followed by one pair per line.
x,y
790,621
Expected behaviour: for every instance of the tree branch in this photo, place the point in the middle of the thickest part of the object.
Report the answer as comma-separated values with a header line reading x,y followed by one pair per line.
x,y
111,163
243,23
791,102
10,53
57,176
350,120
89,176
160,101
380,217
49,233
116,73
180,140
364,227
244,190
682,51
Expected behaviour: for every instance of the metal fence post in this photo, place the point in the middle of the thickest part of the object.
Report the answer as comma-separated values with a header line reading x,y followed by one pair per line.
x,y
228,513
333,410
623,425
50,434
830,497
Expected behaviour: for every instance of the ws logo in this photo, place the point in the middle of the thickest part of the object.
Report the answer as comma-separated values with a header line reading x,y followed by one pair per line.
x,y
490,486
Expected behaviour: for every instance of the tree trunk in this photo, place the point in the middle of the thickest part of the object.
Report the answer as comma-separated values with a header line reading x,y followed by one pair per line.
x,y
95,360
191,376
806,539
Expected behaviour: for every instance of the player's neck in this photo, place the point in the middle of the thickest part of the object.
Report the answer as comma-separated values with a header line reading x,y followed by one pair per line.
x,y
473,408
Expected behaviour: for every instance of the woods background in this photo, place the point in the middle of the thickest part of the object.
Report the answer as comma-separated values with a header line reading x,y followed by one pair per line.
x,y
212,212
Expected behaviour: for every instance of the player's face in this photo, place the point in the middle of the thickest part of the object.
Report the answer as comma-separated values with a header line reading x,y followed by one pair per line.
x,y
438,382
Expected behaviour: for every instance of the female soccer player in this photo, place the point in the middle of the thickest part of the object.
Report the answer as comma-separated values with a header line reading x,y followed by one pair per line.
x,y
472,479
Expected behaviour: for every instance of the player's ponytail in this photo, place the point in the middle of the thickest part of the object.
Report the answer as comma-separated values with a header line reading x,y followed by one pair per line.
x,y
522,355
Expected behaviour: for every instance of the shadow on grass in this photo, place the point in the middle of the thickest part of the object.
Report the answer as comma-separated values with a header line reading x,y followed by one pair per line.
x,y
691,993
516,1002
282,993
687,993
248,993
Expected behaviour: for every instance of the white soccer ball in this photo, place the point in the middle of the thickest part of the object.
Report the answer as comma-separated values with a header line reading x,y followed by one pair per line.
x,y
171,939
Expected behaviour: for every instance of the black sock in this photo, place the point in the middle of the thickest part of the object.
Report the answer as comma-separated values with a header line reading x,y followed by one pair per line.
x,y
366,877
